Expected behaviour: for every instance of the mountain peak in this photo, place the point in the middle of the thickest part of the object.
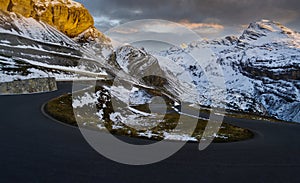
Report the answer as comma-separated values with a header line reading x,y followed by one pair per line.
x,y
264,28
268,26
67,16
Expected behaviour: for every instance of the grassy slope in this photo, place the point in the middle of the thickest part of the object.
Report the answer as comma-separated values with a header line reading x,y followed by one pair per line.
x,y
61,109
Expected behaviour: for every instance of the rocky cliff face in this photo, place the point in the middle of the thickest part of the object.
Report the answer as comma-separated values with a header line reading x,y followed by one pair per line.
x,y
33,49
67,16
260,68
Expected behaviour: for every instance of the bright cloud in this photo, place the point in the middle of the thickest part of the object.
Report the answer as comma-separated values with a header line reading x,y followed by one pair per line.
x,y
204,28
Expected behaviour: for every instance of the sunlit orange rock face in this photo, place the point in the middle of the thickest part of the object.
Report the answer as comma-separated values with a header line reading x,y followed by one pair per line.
x,y
68,16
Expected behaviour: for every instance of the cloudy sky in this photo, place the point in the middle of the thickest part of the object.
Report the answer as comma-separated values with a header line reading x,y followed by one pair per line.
x,y
209,18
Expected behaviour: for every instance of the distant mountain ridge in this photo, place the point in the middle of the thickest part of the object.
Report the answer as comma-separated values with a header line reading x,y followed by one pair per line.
x,y
261,69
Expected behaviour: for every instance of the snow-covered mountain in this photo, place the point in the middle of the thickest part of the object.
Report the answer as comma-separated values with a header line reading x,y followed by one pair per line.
x,y
68,17
261,69
31,49
153,72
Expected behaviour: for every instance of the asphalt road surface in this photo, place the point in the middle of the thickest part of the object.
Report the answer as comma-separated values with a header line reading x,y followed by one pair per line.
x,y
37,149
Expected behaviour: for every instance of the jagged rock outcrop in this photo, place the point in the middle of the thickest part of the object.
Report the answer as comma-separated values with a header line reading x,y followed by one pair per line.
x,y
139,64
67,16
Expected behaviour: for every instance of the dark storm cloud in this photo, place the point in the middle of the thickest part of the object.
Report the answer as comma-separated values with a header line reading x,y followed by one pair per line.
x,y
224,12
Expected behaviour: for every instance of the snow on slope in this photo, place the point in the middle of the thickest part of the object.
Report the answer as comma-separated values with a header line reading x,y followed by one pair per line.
x,y
261,69
30,28
32,49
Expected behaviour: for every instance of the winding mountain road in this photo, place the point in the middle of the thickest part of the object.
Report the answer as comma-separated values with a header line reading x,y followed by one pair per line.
x,y
37,149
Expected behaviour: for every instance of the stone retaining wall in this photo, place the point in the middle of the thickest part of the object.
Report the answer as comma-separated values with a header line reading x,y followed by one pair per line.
x,y
35,85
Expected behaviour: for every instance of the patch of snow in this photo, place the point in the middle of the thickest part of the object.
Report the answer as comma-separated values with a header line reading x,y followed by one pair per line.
x,y
178,137
86,99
